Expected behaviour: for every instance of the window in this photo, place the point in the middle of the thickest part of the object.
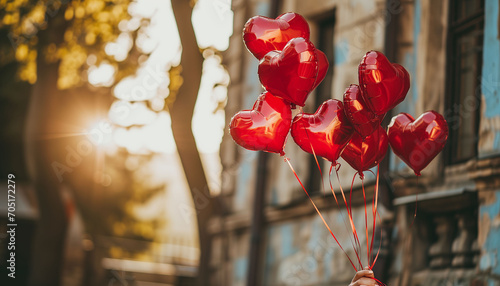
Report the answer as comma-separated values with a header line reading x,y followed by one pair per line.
x,y
464,77
323,91
325,44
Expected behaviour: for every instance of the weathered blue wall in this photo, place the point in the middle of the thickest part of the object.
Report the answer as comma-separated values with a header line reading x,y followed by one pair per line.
x,y
489,143
490,230
240,270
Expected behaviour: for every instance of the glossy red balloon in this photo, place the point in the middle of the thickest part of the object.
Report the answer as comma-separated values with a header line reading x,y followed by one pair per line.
x,y
418,141
384,85
327,131
362,118
291,73
365,153
262,35
265,127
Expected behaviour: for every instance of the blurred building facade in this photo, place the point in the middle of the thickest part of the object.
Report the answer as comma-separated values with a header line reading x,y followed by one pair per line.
x,y
266,231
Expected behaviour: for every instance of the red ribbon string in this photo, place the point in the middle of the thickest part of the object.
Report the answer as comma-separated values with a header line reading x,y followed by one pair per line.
x,y
416,200
350,209
337,166
380,283
319,213
380,243
366,222
374,209
349,212
355,238
332,190
317,163
346,224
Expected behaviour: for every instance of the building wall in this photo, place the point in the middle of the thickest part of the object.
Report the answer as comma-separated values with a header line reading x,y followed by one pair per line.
x,y
458,206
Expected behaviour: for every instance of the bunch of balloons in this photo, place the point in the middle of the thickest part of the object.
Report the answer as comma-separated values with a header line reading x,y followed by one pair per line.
x,y
291,67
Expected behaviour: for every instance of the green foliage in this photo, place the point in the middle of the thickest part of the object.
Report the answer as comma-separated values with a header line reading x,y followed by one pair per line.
x,y
89,26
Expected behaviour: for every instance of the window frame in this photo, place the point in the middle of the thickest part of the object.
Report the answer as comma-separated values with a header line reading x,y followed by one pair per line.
x,y
457,29
323,22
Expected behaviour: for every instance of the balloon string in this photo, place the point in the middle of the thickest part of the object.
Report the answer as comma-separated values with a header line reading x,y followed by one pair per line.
x,y
319,213
346,224
317,163
350,209
353,227
374,207
331,187
416,202
380,283
350,192
366,223
380,242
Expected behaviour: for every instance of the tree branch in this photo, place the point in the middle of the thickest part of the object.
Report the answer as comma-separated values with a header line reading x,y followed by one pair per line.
x,y
182,114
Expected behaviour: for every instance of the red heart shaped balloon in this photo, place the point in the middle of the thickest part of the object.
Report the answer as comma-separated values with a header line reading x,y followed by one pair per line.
x,y
418,141
362,118
365,153
384,85
262,35
327,131
265,127
291,73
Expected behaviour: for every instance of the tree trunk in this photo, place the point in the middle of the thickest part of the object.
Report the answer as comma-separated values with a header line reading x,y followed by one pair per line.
x,y
41,152
182,114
